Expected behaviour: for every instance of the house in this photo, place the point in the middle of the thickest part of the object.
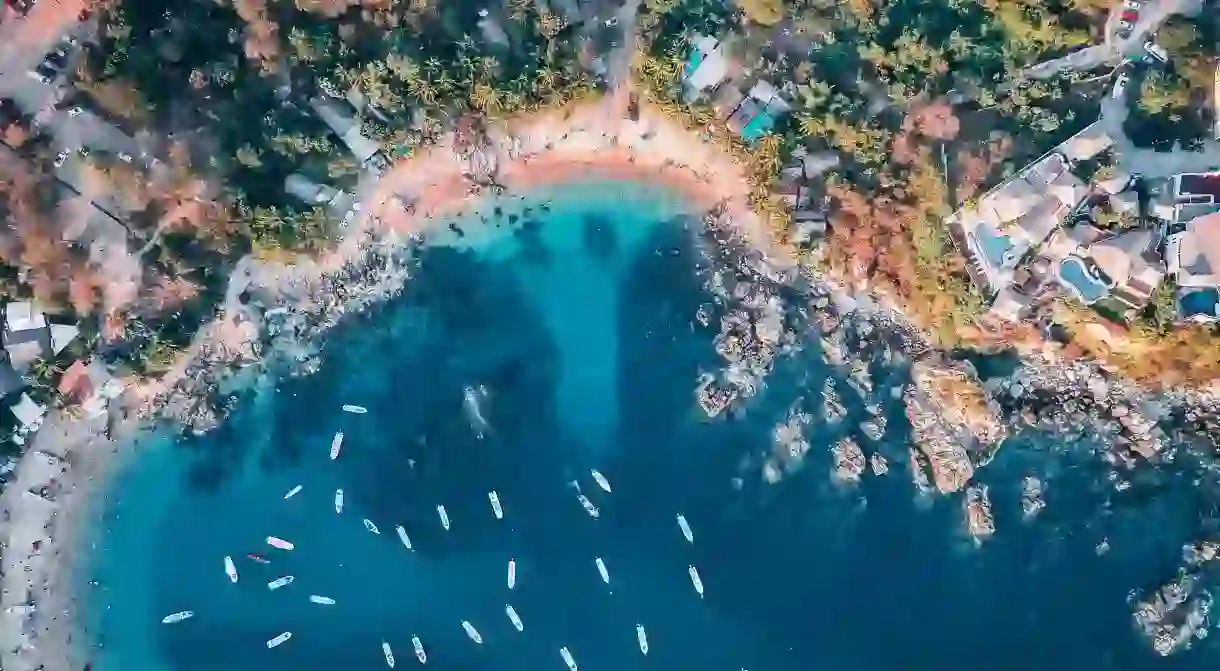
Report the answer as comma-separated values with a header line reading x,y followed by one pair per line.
x,y
808,225
309,191
29,336
89,386
338,114
29,415
707,67
1192,253
1131,263
769,106
1086,144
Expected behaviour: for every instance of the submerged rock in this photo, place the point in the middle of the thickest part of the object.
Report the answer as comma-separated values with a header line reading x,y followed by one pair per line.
x,y
849,461
1032,501
979,519
878,463
1173,615
951,419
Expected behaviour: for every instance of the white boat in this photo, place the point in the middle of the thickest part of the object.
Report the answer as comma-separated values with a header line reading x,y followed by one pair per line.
x,y
588,506
567,658
440,510
601,568
642,638
690,537
600,479
402,536
514,617
355,409
280,582
178,617
293,492
324,600
368,524
472,632
336,444
279,639
695,580
230,569
512,573
419,650
389,654
338,501
495,504
279,543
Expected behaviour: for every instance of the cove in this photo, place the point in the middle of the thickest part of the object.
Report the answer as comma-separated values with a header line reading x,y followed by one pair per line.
x,y
572,311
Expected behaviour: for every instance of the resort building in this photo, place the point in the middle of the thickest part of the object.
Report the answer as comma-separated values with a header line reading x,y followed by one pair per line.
x,y
337,113
1123,269
1192,254
1086,144
29,336
707,67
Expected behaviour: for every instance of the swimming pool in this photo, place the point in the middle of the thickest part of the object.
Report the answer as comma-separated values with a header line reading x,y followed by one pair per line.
x,y
1074,275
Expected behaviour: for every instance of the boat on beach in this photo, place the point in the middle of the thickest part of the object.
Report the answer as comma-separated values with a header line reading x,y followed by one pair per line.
x,y
642,638
293,492
324,600
368,524
495,504
685,527
336,444
279,639
440,510
600,479
695,580
588,506
601,568
472,632
389,654
230,569
419,650
355,409
513,617
512,573
402,536
175,618
567,658
279,543
280,582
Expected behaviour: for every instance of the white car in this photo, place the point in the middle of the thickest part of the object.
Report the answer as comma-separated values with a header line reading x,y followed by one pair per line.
x,y
75,111
1156,51
126,158
1120,86
61,158
1134,5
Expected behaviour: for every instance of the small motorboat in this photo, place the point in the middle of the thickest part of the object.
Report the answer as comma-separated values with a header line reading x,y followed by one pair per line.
x,y
389,654
495,504
279,639
257,558
293,492
279,543
513,617
588,506
642,638
280,582
402,536
338,501
512,573
472,632
567,658
324,600
336,444
175,618
230,569
600,479
368,524
355,409
601,568
695,580
685,527
419,650
440,510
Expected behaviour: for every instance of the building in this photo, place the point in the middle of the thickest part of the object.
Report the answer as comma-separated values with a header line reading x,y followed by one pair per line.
x,y
1086,144
1132,265
29,416
338,114
1192,253
707,67
29,336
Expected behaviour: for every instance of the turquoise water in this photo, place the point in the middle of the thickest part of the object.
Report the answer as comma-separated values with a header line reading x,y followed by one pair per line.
x,y
578,322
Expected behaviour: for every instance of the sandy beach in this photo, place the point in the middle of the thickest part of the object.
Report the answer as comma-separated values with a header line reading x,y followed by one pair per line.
x,y
583,141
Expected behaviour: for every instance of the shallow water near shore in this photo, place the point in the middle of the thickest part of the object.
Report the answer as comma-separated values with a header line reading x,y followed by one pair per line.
x,y
573,329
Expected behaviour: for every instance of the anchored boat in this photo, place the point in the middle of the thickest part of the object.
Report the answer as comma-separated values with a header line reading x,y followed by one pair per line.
x,y
690,537
324,600
472,632
368,524
440,510
293,492
280,582
567,658
230,569
279,543
178,617
389,654
495,504
513,617
600,479
419,650
355,409
601,568
402,536
336,444
642,638
279,639
695,580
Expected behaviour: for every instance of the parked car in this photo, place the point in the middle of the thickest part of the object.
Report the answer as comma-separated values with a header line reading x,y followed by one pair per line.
x,y
44,73
1133,5
61,158
75,111
124,157
1125,28
1156,51
1120,85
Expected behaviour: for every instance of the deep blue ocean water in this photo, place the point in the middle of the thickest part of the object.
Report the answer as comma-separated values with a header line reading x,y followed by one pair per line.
x,y
578,320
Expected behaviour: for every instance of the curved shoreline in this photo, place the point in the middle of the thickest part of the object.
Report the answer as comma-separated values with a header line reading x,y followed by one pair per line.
x,y
584,141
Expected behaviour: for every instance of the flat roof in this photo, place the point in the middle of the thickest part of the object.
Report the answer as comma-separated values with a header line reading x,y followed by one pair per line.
x,y
1198,184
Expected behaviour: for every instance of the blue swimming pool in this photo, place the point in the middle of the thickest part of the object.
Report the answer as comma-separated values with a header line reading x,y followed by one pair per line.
x,y
1199,303
1075,276
993,245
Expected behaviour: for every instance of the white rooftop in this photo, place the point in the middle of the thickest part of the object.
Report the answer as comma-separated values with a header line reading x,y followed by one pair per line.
x,y
23,316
